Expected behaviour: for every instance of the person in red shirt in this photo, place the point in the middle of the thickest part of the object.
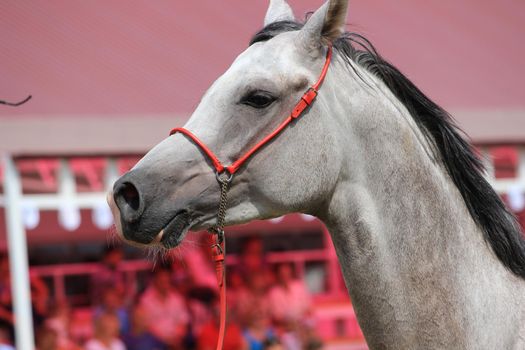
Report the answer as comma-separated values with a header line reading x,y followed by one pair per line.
x,y
207,338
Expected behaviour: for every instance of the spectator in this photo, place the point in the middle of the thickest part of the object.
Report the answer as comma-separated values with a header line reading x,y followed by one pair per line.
x,y
207,339
46,339
272,344
258,329
106,334
289,299
200,308
139,338
59,321
109,276
252,296
39,298
251,258
6,307
252,312
165,309
5,340
179,275
290,307
236,288
113,303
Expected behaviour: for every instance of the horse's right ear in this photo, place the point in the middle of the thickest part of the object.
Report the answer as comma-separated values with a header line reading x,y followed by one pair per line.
x,y
325,25
279,10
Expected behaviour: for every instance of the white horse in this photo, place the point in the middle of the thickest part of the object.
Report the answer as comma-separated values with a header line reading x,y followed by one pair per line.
x,y
430,256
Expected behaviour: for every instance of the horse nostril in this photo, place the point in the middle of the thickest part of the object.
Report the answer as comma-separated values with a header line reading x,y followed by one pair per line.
x,y
131,195
127,198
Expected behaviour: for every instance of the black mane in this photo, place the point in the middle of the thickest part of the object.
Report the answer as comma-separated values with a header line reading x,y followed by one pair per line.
x,y
499,226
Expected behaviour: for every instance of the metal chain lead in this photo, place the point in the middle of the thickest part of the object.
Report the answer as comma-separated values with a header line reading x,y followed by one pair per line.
x,y
224,181
219,251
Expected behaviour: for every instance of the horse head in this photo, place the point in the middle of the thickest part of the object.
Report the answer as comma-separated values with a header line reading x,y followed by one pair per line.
x,y
173,189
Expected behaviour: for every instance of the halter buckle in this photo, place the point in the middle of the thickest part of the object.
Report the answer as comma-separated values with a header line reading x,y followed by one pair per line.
x,y
305,101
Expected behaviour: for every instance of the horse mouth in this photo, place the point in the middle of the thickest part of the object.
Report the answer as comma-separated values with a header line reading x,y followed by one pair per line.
x,y
175,231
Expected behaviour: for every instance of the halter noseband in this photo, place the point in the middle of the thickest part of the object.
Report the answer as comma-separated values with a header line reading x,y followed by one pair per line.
x,y
225,174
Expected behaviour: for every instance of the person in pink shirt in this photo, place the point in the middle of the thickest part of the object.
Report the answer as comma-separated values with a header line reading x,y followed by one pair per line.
x,y
291,309
289,298
165,309
106,334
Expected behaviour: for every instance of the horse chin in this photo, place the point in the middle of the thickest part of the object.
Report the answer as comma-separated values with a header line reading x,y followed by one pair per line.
x,y
239,214
175,231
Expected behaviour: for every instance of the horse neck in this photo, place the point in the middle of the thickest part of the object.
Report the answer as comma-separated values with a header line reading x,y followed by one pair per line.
x,y
410,253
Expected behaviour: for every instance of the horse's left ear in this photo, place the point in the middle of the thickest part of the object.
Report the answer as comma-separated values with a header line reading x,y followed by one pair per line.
x,y
326,24
279,10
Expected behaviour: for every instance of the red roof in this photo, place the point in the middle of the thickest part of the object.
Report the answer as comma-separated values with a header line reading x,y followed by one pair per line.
x,y
120,58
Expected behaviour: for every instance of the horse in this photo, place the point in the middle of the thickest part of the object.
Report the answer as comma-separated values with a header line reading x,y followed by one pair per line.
x,y
431,257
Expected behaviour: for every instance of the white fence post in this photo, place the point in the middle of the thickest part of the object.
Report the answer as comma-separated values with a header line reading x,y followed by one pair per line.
x,y
18,262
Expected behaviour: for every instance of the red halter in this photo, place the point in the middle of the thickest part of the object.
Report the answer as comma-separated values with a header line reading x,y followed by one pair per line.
x,y
305,101
219,249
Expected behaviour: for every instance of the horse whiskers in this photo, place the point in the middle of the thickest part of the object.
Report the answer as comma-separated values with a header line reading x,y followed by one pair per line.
x,y
112,238
155,254
177,255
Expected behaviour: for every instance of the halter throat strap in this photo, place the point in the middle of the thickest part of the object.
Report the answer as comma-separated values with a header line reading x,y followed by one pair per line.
x,y
306,100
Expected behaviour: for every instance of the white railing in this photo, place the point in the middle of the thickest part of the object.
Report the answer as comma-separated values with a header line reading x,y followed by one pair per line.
x,y
60,272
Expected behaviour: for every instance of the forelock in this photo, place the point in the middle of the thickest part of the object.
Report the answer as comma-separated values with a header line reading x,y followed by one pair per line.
x,y
274,29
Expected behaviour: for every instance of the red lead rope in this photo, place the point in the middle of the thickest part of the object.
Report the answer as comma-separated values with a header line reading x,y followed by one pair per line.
x,y
218,256
219,248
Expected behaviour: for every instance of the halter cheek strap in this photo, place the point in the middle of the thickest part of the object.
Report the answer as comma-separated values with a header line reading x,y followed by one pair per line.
x,y
306,100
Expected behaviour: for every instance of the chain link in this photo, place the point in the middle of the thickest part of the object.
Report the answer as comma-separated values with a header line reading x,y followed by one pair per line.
x,y
218,229
219,251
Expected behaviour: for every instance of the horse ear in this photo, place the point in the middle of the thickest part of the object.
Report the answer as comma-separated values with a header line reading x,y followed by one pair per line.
x,y
279,10
326,24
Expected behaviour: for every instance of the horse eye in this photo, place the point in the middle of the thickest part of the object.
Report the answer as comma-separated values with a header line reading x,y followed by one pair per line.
x,y
258,99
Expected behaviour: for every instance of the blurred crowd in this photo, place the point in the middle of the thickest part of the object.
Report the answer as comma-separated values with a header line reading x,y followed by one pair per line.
x,y
268,307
